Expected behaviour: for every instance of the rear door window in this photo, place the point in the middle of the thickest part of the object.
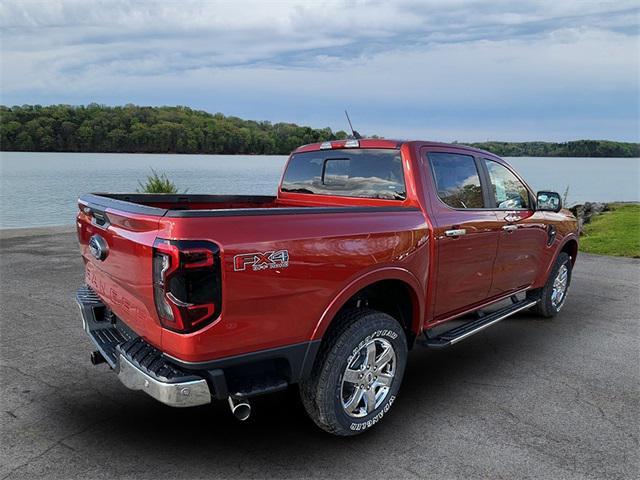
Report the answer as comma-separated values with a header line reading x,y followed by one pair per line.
x,y
367,173
457,179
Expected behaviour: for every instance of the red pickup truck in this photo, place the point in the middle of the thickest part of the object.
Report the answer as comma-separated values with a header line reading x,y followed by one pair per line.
x,y
370,248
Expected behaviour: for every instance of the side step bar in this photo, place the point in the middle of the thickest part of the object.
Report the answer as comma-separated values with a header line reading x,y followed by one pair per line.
x,y
465,330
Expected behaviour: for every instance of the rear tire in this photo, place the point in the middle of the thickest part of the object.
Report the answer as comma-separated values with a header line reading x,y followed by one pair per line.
x,y
357,373
554,293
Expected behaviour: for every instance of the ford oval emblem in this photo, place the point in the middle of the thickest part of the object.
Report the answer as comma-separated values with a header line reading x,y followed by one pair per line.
x,y
98,247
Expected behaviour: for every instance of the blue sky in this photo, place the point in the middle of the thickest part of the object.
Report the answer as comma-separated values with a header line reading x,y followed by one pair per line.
x,y
442,70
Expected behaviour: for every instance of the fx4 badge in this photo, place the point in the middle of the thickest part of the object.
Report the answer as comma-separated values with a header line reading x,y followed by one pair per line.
x,y
261,261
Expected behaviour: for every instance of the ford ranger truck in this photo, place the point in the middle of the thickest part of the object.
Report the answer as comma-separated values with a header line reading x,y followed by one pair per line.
x,y
370,248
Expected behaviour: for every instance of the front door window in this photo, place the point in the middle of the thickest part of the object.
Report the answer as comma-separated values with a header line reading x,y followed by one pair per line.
x,y
508,191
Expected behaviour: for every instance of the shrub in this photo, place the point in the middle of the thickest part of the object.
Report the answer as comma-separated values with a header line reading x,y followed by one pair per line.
x,y
158,183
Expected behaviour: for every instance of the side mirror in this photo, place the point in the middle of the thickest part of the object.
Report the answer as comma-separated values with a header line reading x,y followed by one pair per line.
x,y
548,201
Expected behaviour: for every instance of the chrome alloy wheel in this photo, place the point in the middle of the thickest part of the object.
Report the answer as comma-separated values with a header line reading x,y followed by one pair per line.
x,y
368,377
560,284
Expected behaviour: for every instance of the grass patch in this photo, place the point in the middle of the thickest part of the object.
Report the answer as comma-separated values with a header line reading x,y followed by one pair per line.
x,y
158,183
616,232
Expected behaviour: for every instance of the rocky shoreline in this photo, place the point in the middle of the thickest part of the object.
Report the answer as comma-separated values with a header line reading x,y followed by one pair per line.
x,y
586,211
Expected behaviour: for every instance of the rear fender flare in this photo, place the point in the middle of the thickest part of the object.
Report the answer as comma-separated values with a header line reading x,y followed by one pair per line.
x,y
369,278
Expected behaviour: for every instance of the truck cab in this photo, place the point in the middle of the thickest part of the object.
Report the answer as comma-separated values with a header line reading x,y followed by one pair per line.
x,y
370,248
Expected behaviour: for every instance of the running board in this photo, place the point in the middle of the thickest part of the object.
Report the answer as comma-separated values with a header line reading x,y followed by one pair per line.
x,y
465,330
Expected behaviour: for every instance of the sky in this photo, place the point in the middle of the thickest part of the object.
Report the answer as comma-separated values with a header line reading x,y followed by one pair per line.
x,y
438,70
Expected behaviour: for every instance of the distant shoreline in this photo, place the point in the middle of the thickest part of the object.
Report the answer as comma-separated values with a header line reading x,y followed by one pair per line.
x,y
286,154
169,130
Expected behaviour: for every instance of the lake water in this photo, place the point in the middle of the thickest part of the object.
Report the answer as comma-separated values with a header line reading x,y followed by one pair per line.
x,y
41,189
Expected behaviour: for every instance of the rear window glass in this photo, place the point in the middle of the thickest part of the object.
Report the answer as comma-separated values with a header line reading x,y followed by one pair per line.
x,y
368,173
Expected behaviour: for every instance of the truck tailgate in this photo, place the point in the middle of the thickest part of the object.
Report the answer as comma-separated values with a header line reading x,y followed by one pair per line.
x,y
117,249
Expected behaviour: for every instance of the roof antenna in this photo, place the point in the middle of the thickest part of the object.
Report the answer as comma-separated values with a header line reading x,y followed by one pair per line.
x,y
355,134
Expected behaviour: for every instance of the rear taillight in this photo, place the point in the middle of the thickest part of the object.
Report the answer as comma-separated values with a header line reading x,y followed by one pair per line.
x,y
186,283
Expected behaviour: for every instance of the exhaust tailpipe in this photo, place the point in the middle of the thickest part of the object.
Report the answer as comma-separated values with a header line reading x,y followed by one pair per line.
x,y
240,408
97,358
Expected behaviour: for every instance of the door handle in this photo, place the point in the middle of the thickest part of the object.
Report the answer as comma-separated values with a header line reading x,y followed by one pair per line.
x,y
510,228
455,233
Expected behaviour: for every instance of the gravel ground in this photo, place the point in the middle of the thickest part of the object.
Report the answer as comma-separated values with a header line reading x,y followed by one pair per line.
x,y
527,398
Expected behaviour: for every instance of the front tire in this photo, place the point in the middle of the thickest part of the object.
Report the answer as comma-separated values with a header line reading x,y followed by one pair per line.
x,y
357,374
554,293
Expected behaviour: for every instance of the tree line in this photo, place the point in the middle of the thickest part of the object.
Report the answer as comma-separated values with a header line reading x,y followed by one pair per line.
x,y
136,129
577,148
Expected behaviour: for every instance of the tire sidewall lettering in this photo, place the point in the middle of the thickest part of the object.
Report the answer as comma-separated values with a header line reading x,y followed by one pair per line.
x,y
357,426
377,334
364,326
383,409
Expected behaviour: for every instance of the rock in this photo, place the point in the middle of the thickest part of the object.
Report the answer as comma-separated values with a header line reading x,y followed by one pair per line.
x,y
584,213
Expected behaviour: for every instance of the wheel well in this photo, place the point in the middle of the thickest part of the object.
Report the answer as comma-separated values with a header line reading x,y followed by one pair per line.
x,y
393,297
571,249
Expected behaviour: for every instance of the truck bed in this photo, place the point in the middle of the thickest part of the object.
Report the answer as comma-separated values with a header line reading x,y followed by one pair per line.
x,y
325,246
160,203
199,205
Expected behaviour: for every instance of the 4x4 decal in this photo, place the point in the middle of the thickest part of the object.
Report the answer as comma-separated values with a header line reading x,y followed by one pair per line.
x,y
261,261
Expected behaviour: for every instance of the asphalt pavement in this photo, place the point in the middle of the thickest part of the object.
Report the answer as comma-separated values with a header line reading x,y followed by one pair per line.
x,y
527,398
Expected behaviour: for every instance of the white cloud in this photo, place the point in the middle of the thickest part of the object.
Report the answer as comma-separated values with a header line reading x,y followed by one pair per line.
x,y
401,63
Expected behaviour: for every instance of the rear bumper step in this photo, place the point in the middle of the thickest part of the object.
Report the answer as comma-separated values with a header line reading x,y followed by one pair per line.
x,y
178,394
140,366
468,329
180,383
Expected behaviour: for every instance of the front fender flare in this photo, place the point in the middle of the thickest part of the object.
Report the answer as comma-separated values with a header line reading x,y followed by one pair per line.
x,y
567,238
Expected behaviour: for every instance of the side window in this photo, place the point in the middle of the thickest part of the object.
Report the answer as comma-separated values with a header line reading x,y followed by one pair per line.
x,y
457,179
508,190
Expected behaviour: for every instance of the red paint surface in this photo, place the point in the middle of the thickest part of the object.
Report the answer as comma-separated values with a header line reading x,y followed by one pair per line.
x,y
331,257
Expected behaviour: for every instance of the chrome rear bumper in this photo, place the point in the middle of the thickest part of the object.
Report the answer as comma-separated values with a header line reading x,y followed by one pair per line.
x,y
179,394
140,366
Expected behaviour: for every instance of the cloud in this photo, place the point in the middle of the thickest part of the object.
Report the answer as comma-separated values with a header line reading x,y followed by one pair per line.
x,y
450,68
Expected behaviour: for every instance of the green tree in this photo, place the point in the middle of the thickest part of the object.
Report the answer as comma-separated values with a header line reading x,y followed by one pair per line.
x,y
132,128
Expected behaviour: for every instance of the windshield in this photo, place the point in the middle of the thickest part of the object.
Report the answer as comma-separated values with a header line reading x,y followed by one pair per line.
x,y
367,173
